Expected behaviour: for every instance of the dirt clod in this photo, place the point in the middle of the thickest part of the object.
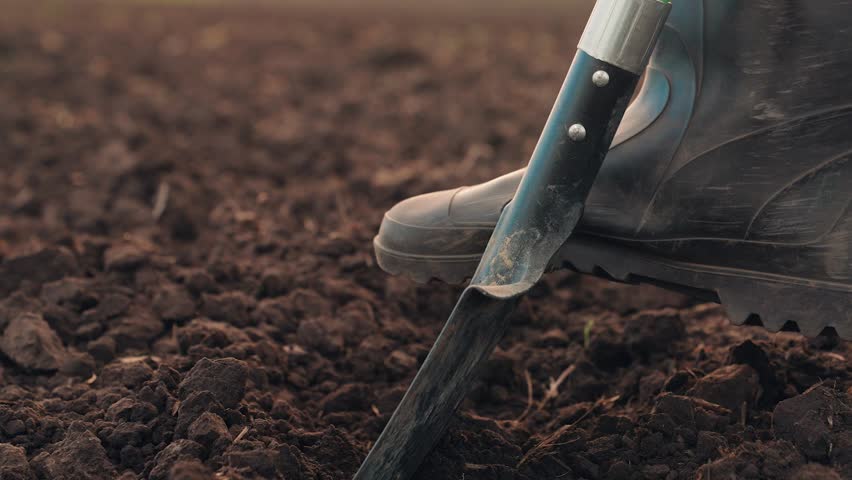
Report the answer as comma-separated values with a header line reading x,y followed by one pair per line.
x,y
13,463
193,406
229,307
79,455
773,461
316,333
209,430
30,342
731,386
347,398
36,269
813,420
224,378
709,445
208,333
174,452
124,257
652,332
189,470
174,304
814,471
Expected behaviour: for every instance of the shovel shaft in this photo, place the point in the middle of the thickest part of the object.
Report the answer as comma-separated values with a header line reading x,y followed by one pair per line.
x,y
469,336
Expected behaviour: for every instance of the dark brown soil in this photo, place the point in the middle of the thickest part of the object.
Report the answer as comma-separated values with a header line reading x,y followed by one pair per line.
x,y
188,290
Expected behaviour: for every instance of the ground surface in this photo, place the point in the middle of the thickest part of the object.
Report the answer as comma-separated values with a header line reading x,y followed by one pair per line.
x,y
188,199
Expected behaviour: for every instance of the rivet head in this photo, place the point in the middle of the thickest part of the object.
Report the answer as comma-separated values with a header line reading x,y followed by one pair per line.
x,y
577,132
600,78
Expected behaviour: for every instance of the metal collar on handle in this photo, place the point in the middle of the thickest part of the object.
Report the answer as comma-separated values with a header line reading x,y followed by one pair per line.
x,y
624,32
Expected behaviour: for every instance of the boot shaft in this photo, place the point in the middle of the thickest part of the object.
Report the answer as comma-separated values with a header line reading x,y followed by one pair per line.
x,y
765,63
742,131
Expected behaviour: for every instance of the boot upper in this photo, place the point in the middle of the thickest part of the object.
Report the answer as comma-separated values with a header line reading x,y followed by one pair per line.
x,y
739,141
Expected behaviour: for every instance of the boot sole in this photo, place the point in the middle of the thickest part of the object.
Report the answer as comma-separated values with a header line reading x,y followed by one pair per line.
x,y
774,301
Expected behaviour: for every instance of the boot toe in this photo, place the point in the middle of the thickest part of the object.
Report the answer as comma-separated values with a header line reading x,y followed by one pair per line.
x,y
422,238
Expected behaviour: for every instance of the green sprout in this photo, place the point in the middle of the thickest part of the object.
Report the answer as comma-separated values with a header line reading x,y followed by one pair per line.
x,y
587,333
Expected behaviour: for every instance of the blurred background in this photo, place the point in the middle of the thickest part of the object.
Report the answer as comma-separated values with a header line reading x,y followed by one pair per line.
x,y
389,98
474,6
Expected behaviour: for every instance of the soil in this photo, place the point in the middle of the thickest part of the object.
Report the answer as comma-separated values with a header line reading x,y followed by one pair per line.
x,y
188,288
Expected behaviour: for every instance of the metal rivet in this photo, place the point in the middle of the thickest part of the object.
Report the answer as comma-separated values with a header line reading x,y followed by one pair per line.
x,y
577,132
600,78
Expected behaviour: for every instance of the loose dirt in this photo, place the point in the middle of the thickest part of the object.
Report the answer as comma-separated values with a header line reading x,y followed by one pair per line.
x,y
187,287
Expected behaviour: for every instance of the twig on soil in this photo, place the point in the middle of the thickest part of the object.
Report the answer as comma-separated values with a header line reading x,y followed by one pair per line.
x,y
342,210
835,356
530,311
161,200
550,440
139,358
294,350
529,381
553,389
568,470
242,434
215,253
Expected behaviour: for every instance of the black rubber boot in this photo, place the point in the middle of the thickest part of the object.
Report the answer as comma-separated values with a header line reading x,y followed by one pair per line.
x,y
730,177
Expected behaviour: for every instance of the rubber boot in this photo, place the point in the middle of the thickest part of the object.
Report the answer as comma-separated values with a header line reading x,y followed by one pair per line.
x,y
730,177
